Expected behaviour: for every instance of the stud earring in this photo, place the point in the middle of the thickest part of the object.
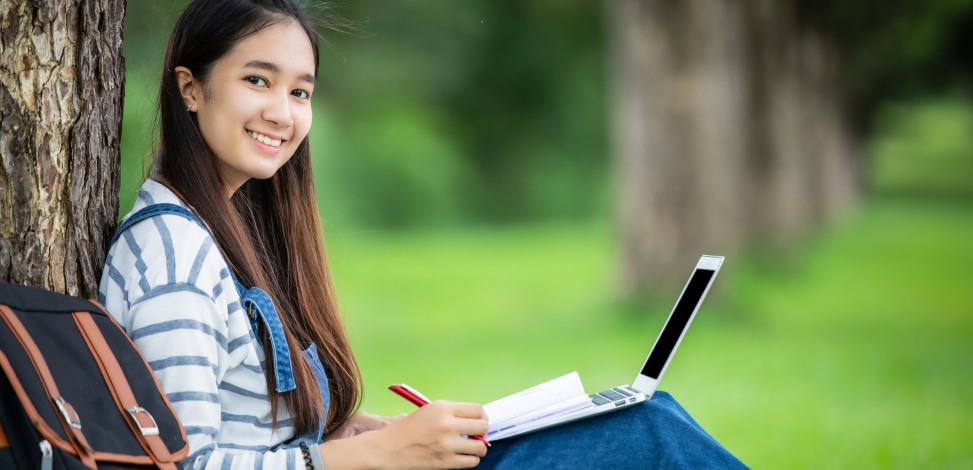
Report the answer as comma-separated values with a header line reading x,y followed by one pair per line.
x,y
189,108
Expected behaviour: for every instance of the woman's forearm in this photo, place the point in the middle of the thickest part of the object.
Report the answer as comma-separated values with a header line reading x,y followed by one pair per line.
x,y
360,452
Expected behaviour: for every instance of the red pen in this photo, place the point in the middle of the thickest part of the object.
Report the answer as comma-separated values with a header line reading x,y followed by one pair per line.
x,y
420,400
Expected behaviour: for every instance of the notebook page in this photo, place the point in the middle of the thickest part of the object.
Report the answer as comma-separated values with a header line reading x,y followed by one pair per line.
x,y
546,398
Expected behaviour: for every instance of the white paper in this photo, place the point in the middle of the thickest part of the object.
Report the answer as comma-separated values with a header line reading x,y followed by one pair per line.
x,y
563,417
564,394
575,403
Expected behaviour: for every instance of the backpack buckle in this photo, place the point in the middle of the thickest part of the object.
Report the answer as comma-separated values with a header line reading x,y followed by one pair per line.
x,y
148,430
67,411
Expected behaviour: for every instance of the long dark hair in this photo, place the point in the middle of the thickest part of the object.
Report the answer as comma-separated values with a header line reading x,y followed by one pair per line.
x,y
270,230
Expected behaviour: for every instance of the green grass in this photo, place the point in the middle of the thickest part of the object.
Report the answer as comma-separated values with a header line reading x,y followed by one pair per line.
x,y
858,353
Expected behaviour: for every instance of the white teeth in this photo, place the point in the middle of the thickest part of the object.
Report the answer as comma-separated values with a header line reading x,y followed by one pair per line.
x,y
264,139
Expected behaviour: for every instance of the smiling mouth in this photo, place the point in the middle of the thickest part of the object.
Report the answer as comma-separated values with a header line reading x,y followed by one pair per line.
x,y
263,139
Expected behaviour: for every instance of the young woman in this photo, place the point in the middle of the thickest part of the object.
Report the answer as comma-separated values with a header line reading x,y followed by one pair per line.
x,y
219,276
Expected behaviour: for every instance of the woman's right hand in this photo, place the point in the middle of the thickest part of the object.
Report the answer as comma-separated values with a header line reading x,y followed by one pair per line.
x,y
431,437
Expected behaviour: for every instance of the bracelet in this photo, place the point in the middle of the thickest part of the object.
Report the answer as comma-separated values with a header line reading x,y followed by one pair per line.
x,y
306,453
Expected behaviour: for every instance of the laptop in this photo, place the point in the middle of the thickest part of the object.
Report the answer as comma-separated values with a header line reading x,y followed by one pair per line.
x,y
655,364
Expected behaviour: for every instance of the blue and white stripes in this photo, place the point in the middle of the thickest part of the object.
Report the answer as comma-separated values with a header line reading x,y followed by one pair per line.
x,y
169,286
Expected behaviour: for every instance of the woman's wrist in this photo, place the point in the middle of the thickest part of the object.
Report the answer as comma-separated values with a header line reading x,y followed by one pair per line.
x,y
311,454
361,452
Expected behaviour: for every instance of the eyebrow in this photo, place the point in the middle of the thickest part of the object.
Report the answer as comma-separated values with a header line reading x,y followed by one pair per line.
x,y
272,67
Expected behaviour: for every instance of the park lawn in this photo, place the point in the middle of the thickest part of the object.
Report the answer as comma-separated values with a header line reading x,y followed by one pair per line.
x,y
856,353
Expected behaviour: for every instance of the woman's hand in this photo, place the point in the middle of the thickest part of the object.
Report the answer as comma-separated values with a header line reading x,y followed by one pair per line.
x,y
359,422
433,436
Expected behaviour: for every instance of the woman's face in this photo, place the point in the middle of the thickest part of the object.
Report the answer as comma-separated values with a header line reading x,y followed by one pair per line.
x,y
255,108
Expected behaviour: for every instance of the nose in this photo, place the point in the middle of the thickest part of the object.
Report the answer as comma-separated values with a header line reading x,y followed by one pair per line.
x,y
278,110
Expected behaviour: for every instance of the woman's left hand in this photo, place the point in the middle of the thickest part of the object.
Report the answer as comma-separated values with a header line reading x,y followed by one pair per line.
x,y
359,423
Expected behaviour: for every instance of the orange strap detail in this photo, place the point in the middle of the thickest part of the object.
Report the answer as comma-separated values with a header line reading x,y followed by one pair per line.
x,y
62,408
140,421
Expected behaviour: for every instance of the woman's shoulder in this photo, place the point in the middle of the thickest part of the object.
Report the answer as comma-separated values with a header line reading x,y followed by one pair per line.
x,y
167,231
154,193
166,248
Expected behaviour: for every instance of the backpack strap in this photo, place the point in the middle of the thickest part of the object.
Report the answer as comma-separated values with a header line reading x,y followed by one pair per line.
x,y
65,412
142,423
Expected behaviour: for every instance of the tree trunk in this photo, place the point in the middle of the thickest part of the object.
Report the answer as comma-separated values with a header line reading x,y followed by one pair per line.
x,y
61,88
802,165
729,132
679,136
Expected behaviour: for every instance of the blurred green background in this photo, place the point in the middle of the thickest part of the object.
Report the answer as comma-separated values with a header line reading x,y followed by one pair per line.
x,y
465,176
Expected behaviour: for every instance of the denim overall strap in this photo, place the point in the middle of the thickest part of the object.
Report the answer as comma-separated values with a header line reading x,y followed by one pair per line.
x,y
152,211
259,306
257,303
316,435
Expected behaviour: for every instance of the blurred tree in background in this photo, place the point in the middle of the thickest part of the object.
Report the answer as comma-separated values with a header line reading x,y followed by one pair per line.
x,y
739,123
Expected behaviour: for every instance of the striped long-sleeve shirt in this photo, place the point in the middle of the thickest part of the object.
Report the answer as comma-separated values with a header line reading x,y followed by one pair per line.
x,y
168,285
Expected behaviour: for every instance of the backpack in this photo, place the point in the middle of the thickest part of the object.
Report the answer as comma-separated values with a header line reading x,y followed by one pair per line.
x,y
74,390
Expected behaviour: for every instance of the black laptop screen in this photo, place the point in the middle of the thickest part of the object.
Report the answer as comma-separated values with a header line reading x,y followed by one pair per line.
x,y
677,323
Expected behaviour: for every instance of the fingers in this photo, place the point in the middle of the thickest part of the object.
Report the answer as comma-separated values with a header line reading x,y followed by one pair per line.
x,y
460,461
369,422
469,446
464,418
469,410
471,427
462,453
359,423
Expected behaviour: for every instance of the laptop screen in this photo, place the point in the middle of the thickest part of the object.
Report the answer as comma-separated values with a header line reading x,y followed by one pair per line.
x,y
677,322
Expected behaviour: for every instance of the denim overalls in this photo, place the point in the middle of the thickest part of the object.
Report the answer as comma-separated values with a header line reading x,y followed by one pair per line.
x,y
260,309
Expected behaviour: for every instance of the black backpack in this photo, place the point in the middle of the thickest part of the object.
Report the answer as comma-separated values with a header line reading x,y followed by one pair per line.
x,y
74,390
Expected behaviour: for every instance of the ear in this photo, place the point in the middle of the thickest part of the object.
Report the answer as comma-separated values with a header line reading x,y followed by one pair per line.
x,y
189,88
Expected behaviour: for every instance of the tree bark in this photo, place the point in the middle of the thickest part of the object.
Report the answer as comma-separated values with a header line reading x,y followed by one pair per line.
x,y
61,89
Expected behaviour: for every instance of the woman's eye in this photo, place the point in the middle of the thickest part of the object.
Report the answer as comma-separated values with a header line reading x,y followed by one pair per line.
x,y
302,94
256,81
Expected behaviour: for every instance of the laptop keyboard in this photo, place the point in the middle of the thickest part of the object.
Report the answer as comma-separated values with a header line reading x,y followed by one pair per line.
x,y
619,395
